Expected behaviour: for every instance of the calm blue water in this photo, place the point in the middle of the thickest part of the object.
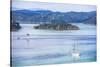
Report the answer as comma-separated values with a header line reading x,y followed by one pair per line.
x,y
52,47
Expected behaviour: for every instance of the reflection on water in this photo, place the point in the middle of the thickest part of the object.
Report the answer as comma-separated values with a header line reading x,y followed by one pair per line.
x,y
50,47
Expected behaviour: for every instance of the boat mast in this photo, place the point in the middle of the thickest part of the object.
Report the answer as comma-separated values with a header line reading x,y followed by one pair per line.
x,y
75,52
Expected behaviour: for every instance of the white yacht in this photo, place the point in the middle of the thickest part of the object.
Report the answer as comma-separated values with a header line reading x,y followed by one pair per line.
x,y
75,53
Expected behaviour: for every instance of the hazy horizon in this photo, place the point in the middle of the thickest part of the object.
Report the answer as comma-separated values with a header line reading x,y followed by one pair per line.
x,y
56,7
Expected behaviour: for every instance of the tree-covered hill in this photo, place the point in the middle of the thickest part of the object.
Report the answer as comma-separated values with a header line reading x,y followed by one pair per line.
x,y
47,16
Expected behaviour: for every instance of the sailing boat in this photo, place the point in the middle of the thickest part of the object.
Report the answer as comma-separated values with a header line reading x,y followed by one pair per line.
x,y
75,52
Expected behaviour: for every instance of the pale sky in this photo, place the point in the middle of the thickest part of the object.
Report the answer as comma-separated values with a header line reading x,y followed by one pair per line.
x,y
59,7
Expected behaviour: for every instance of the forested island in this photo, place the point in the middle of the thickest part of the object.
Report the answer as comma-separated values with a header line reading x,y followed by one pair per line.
x,y
57,27
15,26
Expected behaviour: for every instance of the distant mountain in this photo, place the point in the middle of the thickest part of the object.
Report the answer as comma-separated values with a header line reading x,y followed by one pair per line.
x,y
32,9
47,16
91,20
14,8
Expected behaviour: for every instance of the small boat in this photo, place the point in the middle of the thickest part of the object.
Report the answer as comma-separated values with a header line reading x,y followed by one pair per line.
x,y
75,53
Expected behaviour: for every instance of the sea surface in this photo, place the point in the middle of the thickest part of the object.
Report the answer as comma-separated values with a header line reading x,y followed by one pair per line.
x,y
38,47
